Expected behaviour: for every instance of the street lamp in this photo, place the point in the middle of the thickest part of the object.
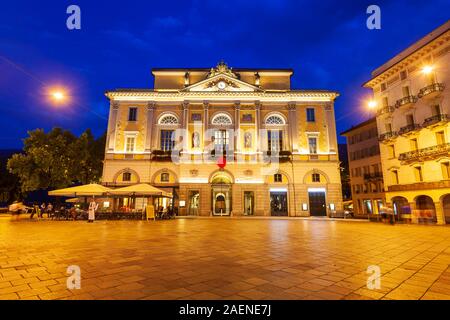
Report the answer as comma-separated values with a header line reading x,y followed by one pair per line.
x,y
372,104
57,95
427,69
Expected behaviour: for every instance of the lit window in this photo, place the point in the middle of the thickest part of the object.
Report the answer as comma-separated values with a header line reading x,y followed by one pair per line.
x,y
168,120
130,144
312,141
167,140
315,177
126,176
221,119
277,177
275,120
221,140
164,177
275,140
445,166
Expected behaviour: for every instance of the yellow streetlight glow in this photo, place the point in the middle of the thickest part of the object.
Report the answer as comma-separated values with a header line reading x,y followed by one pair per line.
x,y
427,69
58,95
372,104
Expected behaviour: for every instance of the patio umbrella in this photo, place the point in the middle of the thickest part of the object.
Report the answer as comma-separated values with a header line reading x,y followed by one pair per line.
x,y
142,189
87,190
73,200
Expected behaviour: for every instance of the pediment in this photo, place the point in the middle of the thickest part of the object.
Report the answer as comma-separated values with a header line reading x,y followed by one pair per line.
x,y
222,82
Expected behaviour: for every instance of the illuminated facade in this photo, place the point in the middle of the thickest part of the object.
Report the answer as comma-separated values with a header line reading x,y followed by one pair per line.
x,y
412,93
227,142
366,177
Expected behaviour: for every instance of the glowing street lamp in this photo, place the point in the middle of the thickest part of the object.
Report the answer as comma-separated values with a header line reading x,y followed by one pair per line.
x,y
372,104
427,69
57,95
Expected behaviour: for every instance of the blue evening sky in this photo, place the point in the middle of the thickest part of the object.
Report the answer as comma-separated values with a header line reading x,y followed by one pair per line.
x,y
325,42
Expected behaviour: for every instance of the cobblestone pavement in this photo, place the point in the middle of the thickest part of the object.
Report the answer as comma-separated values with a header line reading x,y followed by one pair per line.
x,y
222,259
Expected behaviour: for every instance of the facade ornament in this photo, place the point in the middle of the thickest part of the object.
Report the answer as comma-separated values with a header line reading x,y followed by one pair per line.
x,y
257,79
151,106
186,79
248,173
185,105
115,105
205,105
221,68
193,172
291,106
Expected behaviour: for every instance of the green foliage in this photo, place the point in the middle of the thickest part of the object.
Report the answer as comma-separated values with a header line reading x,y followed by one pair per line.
x,y
57,159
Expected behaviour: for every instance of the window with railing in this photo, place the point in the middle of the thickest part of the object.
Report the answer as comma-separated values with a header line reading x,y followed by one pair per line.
x,y
275,140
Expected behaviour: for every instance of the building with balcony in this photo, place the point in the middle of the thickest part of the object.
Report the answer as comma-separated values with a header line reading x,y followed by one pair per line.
x,y
227,142
412,91
366,178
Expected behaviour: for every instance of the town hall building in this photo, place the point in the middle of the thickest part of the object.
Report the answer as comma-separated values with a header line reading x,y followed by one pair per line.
x,y
227,142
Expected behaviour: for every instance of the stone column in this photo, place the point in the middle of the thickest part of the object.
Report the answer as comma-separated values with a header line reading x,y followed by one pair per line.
x,y
148,137
237,134
258,125
185,125
331,127
112,126
439,213
205,124
293,129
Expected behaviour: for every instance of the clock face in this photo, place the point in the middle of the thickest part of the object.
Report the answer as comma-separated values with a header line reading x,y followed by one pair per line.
x,y
221,85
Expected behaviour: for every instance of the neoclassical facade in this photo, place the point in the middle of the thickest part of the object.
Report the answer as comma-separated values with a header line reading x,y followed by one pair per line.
x,y
227,142
412,91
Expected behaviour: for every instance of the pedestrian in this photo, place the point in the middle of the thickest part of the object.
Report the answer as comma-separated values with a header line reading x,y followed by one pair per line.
x,y
93,206
41,212
49,209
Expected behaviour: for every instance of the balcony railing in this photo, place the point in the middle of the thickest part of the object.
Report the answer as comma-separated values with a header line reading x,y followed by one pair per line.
x,y
405,101
384,110
433,88
164,155
281,156
373,176
436,119
387,135
409,128
425,153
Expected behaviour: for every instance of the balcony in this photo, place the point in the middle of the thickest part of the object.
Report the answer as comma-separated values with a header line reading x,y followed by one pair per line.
x,y
436,120
385,110
281,156
425,153
373,176
410,128
406,101
387,136
164,155
431,91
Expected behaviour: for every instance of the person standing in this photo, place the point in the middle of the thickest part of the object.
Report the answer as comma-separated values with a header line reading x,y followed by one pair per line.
x,y
41,212
93,206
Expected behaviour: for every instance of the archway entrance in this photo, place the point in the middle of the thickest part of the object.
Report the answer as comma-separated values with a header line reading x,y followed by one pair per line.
x,y
401,207
221,185
446,206
425,209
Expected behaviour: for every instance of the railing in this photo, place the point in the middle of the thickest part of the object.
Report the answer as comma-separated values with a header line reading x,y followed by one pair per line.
x,y
420,186
373,176
429,152
387,135
386,109
163,155
281,156
436,119
435,87
409,128
405,100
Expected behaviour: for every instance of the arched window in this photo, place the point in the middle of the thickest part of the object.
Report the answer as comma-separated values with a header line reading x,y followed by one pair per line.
x,y
275,120
221,119
168,119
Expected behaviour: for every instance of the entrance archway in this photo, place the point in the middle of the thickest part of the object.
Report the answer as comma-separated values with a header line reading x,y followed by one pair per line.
x,y
221,185
446,207
425,209
401,208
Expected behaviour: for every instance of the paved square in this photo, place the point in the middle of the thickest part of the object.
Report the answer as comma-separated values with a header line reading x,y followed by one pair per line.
x,y
222,259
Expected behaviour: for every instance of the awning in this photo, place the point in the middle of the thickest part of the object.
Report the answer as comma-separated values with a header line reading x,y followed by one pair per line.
x,y
87,190
142,189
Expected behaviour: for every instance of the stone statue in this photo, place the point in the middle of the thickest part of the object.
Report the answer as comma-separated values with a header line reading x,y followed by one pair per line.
x,y
196,140
248,140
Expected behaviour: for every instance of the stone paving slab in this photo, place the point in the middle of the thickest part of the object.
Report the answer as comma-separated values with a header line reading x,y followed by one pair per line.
x,y
222,259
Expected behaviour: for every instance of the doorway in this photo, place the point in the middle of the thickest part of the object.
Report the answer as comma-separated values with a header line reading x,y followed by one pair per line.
x,y
278,203
194,202
221,194
317,203
249,198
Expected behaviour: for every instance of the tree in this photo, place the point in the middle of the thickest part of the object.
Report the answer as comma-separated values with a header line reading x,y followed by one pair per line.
x,y
57,159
